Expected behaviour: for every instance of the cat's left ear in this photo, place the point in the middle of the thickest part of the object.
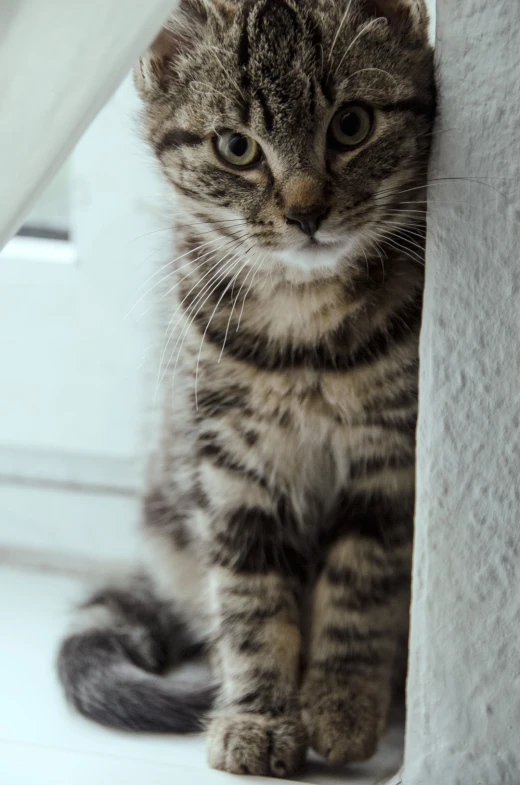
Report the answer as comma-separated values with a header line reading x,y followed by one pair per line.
x,y
409,15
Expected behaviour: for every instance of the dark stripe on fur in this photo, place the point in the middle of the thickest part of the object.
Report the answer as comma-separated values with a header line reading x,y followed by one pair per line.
x,y
158,514
210,450
175,139
373,594
413,105
373,517
367,466
214,403
348,662
267,112
258,351
251,542
355,637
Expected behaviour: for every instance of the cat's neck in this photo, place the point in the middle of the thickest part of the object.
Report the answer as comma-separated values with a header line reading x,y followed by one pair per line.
x,y
292,303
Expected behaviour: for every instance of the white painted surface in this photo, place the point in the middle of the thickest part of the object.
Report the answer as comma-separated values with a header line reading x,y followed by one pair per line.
x,y
42,742
464,686
78,54
74,361
30,249
62,524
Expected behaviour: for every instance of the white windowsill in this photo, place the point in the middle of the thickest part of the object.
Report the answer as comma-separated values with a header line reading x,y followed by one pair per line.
x,y
42,742
34,249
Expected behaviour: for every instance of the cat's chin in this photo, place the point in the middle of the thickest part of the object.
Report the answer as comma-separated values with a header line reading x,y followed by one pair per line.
x,y
317,258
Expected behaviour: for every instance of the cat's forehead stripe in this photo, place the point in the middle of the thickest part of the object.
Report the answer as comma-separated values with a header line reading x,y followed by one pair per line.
x,y
176,138
266,69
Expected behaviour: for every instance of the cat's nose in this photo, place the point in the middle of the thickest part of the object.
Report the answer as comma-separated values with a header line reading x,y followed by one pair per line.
x,y
309,221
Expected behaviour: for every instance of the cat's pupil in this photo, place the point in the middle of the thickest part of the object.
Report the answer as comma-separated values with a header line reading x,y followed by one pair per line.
x,y
350,124
238,145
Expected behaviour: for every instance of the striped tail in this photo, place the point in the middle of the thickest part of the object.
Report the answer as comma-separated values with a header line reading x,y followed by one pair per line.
x,y
111,666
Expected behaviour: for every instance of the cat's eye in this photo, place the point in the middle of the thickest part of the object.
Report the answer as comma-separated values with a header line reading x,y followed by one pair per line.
x,y
351,126
237,149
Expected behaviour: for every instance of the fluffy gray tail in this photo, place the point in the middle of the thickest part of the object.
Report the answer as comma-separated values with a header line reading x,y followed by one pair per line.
x,y
111,666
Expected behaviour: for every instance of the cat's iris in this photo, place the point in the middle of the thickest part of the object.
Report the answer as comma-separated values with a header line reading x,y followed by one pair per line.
x,y
351,126
237,149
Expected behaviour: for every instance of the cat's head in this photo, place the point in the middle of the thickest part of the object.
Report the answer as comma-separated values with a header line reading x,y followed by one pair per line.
x,y
301,127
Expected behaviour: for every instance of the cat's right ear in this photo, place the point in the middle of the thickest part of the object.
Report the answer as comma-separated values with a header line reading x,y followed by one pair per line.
x,y
409,15
157,69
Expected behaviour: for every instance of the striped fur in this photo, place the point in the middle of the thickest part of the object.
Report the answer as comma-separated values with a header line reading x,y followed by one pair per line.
x,y
279,516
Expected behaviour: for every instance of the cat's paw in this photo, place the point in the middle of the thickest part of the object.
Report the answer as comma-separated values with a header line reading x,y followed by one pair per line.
x,y
344,729
256,744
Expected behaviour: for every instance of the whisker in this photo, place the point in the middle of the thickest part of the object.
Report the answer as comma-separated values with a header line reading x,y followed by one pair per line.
x,y
403,249
364,70
171,228
194,309
165,278
194,85
214,50
257,270
209,323
233,311
170,330
168,333
336,37
207,254
362,32
190,313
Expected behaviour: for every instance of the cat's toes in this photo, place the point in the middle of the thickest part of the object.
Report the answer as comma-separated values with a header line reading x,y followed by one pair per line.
x,y
343,729
257,745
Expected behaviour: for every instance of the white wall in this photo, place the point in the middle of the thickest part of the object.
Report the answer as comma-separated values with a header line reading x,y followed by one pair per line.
x,y
464,685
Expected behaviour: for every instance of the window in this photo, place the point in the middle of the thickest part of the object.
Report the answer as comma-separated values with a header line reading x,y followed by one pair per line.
x,y
50,217
72,373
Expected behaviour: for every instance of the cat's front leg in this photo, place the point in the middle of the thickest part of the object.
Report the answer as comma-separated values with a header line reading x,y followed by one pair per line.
x,y
360,615
257,728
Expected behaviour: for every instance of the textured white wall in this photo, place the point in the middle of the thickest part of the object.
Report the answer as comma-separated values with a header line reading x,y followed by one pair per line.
x,y
464,685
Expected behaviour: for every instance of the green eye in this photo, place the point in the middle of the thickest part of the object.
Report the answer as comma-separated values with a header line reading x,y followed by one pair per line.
x,y
351,126
237,149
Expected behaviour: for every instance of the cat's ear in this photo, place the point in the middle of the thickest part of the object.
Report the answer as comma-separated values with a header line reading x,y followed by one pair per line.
x,y
157,68
409,15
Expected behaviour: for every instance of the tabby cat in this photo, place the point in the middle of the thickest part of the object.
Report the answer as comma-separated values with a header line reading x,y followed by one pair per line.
x,y
278,519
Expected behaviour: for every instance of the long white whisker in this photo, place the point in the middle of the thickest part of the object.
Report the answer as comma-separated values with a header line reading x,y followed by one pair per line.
x,y
190,313
209,323
190,225
362,32
233,311
165,278
253,270
407,251
364,70
193,305
208,253
196,307
259,264
168,332
214,50
334,42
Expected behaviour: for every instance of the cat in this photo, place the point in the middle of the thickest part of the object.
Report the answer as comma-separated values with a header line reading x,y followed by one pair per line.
x,y
278,518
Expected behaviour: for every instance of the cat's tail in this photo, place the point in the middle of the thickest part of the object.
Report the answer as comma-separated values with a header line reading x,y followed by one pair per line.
x,y
112,662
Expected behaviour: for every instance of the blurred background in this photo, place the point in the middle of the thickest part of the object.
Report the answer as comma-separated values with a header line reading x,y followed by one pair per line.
x,y
75,346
